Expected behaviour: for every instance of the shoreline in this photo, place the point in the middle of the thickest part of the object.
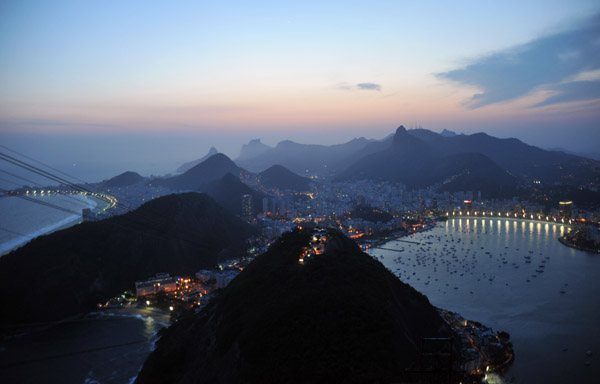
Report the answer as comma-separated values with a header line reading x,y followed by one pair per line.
x,y
69,221
567,243
512,218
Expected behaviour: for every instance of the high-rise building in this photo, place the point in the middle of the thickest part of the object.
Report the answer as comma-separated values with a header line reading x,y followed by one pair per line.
x,y
247,208
565,208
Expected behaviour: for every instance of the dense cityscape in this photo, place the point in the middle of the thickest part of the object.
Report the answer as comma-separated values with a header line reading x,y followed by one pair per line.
x,y
299,192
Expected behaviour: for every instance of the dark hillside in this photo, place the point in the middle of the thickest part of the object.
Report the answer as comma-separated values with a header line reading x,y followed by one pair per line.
x,y
228,192
70,271
339,317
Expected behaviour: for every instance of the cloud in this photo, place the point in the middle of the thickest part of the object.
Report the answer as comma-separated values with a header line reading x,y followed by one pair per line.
x,y
542,64
359,87
368,87
573,91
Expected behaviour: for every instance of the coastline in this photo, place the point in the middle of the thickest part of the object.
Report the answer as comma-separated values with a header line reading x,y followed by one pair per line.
x,y
512,218
567,243
69,221
549,310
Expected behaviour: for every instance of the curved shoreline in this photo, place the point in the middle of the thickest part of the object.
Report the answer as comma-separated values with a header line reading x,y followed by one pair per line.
x,y
511,218
69,221
567,243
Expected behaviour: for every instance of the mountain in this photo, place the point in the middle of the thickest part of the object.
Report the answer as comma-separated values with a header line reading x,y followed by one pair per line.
x,y
473,172
417,161
589,155
522,160
301,158
253,149
281,178
447,133
420,158
228,192
70,271
338,317
213,168
123,180
189,165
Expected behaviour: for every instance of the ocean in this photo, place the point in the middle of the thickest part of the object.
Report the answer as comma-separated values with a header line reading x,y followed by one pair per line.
x,y
22,220
512,275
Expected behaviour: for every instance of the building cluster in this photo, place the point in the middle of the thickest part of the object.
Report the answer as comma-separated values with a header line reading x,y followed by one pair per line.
x,y
185,292
315,247
132,197
481,349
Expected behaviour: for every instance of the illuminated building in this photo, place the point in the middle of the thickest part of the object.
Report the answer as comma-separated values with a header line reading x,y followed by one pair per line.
x,y
162,282
565,208
247,208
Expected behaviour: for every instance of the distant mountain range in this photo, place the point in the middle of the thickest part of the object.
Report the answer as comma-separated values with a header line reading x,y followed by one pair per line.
x,y
303,158
338,317
412,160
187,166
420,158
220,177
70,271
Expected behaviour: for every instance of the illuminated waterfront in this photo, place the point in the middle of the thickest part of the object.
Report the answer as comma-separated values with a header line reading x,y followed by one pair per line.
x,y
22,220
512,275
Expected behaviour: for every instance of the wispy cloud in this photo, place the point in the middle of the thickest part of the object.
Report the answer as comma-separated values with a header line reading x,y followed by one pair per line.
x,y
359,87
368,87
542,64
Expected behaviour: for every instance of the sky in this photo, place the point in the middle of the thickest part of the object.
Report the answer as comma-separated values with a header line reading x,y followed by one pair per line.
x,y
148,85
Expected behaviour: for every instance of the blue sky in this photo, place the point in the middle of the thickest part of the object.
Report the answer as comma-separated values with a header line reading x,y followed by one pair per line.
x,y
191,74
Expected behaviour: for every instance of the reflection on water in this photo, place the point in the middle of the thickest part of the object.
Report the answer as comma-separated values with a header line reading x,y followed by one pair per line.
x,y
512,275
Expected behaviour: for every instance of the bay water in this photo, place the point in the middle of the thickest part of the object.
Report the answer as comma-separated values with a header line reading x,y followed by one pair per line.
x,y
512,275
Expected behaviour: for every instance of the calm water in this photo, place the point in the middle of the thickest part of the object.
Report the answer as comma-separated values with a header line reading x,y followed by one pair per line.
x,y
22,220
478,267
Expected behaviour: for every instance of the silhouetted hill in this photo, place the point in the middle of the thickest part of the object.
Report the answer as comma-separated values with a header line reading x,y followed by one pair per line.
x,y
473,172
123,180
420,158
228,192
253,149
302,157
525,161
339,317
213,168
70,271
282,178
187,166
